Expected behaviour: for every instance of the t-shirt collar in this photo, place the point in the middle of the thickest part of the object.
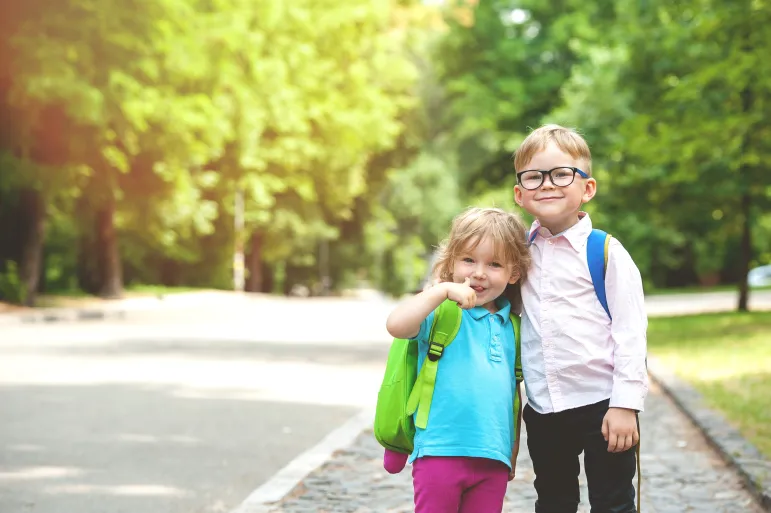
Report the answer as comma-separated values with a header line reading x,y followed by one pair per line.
x,y
576,235
504,310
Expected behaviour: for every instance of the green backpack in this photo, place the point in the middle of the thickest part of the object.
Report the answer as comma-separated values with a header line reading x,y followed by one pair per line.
x,y
404,392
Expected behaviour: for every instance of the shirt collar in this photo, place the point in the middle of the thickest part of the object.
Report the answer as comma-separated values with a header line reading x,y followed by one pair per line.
x,y
504,310
576,235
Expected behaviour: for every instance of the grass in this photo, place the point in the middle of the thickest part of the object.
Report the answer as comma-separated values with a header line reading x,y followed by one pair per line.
x,y
74,298
696,289
159,289
727,357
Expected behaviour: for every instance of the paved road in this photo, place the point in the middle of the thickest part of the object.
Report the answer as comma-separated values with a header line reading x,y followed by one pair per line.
x,y
669,304
186,413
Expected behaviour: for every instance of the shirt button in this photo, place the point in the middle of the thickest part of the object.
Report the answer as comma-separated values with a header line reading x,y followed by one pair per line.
x,y
551,241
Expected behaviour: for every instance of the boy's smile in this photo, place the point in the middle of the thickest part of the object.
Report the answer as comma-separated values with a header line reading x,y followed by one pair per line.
x,y
556,208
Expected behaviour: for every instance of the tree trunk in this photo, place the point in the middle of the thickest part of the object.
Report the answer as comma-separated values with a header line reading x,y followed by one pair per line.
x,y
290,278
109,257
745,175
10,240
254,264
42,283
746,254
87,273
32,219
268,279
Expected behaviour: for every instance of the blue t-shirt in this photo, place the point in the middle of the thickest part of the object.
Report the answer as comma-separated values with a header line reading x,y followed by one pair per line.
x,y
472,410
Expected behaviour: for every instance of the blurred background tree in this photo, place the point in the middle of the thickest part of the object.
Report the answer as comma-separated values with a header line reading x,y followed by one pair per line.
x,y
320,145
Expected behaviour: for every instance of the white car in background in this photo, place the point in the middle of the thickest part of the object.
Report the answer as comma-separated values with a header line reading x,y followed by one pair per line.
x,y
760,276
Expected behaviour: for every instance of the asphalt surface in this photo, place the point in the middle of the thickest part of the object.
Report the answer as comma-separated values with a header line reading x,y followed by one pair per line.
x,y
186,411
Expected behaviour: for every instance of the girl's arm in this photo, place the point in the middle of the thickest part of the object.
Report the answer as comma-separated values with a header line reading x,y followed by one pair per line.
x,y
404,321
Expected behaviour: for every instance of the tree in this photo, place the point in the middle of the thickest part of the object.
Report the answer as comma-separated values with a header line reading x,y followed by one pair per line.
x,y
320,88
706,118
503,64
121,82
673,100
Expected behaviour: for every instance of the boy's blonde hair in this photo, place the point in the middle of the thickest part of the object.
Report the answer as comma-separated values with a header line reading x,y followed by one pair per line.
x,y
508,234
566,139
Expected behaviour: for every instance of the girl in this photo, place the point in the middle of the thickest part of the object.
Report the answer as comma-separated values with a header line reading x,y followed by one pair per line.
x,y
466,455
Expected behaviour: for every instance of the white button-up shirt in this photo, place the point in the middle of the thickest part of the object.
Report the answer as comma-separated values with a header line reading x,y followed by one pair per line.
x,y
572,353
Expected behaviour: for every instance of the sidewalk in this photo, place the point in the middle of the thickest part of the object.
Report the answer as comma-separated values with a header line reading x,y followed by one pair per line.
x,y
680,473
92,308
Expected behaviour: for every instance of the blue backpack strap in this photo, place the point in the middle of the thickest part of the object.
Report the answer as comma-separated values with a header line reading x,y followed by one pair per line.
x,y
597,257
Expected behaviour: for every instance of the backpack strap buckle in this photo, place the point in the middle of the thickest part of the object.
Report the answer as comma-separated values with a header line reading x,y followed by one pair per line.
x,y
435,351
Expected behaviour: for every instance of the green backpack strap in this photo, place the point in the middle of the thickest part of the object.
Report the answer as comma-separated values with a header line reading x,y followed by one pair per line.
x,y
447,318
516,323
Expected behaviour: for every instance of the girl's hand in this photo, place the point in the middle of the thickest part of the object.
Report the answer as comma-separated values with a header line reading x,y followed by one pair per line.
x,y
514,454
461,293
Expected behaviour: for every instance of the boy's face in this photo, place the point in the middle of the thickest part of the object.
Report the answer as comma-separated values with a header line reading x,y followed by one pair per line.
x,y
556,208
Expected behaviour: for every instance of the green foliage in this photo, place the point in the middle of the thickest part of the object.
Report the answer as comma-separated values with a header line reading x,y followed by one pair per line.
x,y
671,98
170,107
11,287
503,71
356,131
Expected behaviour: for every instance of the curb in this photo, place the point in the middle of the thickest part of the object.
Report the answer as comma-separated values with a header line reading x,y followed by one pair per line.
x,y
281,485
62,315
109,310
754,468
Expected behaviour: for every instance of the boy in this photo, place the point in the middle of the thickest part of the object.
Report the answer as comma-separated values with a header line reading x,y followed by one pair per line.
x,y
585,372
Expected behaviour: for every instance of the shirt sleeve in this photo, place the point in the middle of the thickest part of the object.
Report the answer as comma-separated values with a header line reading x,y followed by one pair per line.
x,y
629,326
425,330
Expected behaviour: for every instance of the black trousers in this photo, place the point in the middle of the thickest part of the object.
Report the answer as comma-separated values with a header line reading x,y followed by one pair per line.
x,y
555,440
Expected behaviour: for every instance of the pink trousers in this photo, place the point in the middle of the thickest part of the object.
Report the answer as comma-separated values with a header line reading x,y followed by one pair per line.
x,y
445,484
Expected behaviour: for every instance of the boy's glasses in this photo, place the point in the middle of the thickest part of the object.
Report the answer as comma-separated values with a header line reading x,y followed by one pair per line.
x,y
559,176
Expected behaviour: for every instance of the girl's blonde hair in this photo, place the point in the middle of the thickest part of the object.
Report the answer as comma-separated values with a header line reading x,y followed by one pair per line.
x,y
508,234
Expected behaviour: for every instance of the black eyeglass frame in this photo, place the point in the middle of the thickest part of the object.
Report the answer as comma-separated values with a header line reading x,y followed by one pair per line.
x,y
544,173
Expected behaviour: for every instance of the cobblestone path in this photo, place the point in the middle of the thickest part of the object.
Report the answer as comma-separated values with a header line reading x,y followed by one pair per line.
x,y
681,473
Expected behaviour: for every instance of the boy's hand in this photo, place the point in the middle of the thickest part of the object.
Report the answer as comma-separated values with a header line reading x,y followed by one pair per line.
x,y
514,454
619,428
461,293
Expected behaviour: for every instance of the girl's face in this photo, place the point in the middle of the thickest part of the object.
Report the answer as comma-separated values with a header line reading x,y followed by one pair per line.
x,y
489,276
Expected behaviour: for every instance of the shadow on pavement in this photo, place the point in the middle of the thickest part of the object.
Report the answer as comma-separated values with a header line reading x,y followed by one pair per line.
x,y
364,353
130,448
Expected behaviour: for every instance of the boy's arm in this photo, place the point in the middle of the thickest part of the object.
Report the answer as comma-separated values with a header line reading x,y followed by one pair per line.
x,y
404,321
628,330
626,303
